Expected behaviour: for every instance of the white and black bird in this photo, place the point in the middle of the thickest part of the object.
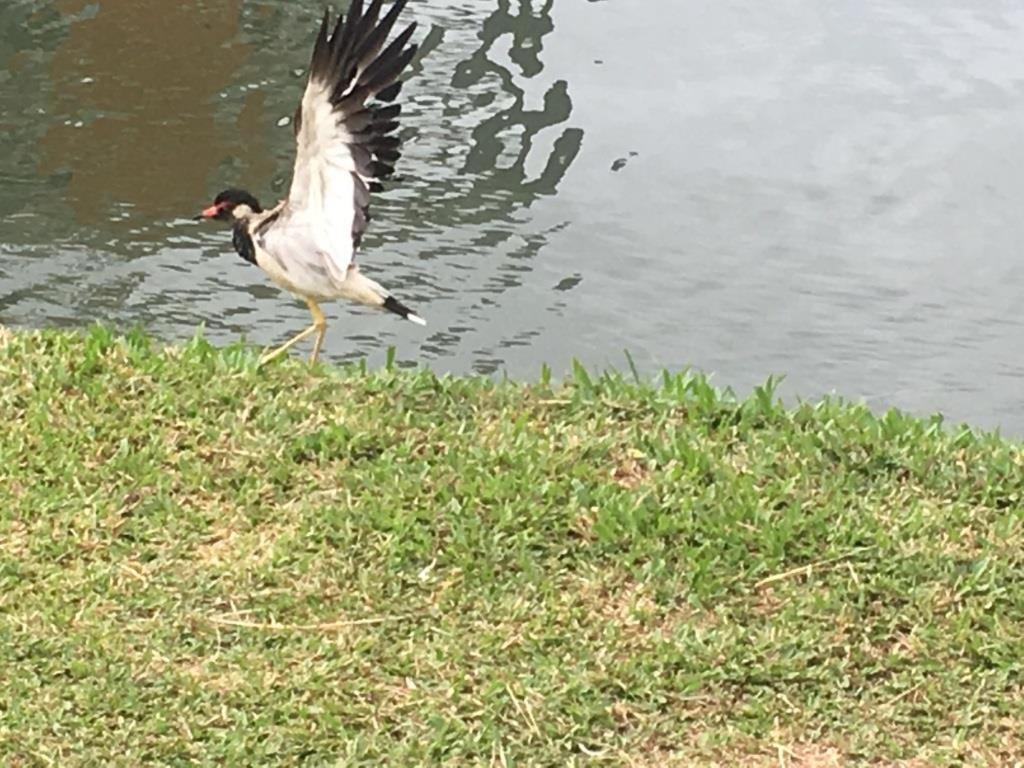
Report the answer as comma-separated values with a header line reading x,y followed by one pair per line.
x,y
345,145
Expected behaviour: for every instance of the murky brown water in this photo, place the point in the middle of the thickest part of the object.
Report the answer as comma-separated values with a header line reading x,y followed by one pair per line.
x,y
831,192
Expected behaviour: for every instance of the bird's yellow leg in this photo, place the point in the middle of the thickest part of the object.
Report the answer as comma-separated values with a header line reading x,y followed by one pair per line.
x,y
320,323
318,327
276,353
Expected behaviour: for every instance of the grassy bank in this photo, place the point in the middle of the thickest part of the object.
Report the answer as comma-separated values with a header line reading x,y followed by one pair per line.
x,y
201,562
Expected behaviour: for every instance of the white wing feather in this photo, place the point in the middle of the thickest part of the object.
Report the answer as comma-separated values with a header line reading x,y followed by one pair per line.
x,y
343,146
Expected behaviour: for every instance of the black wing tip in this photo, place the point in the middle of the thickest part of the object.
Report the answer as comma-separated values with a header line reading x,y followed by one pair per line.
x,y
380,170
384,127
395,9
390,93
320,60
356,34
387,114
385,142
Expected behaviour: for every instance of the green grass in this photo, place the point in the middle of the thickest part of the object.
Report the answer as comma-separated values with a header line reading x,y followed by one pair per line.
x,y
206,563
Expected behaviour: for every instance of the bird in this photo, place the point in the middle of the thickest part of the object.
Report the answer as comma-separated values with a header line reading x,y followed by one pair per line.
x,y
346,146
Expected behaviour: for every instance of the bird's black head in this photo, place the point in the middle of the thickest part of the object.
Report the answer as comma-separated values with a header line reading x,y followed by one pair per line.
x,y
225,203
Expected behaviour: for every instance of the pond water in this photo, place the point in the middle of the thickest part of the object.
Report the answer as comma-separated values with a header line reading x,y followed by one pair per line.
x,y
829,191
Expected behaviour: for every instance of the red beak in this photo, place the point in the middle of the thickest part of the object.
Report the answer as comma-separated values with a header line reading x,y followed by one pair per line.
x,y
209,213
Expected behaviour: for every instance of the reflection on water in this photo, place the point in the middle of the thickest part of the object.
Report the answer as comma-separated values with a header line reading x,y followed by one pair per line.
x,y
146,114
830,192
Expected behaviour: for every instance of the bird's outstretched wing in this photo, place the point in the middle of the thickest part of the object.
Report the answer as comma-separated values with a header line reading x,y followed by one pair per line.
x,y
345,142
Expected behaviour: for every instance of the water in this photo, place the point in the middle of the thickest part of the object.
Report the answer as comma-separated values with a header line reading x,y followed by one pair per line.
x,y
828,191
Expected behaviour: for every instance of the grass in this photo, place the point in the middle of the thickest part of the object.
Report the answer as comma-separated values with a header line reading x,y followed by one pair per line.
x,y
206,563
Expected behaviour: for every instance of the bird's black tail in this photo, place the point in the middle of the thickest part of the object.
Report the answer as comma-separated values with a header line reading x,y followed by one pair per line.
x,y
391,304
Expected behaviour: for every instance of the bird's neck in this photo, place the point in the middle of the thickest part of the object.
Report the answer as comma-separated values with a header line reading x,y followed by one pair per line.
x,y
242,240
